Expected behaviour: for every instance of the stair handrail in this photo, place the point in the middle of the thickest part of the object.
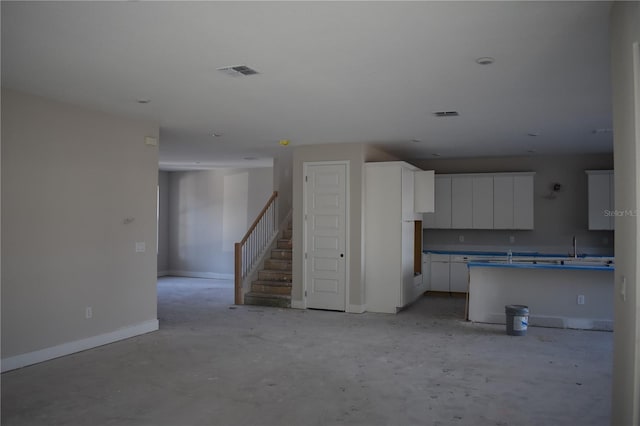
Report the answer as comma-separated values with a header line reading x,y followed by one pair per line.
x,y
250,247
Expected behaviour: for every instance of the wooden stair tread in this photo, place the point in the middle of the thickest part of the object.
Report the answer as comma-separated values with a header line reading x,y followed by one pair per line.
x,y
273,283
268,295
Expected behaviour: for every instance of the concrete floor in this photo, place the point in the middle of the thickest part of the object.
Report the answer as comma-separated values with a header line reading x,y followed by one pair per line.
x,y
215,364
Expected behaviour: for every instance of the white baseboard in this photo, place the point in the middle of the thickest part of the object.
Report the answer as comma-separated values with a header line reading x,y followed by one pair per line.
x,y
356,309
52,352
196,274
299,304
163,273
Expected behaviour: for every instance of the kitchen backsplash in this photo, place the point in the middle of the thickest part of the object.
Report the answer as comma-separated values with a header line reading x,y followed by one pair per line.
x,y
588,242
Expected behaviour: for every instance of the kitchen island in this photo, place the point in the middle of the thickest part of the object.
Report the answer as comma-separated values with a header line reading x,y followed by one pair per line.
x,y
564,294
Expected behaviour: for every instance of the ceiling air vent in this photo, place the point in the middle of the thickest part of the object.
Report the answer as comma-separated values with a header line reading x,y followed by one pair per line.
x,y
446,114
238,70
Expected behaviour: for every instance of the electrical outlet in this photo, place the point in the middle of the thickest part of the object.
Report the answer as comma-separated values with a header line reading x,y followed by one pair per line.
x,y
88,312
461,238
581,299
141,247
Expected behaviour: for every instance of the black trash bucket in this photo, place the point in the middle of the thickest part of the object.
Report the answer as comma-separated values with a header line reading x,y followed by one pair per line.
x,y
517,319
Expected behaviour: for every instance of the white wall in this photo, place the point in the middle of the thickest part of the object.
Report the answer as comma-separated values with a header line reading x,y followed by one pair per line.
x,y
282,181
556,221
625,26
71,178
163,223
209,211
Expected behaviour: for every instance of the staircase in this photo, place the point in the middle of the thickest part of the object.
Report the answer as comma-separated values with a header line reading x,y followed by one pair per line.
x,y
273,286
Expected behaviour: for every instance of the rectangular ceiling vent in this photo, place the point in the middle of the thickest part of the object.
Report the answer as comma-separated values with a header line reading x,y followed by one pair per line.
x,y
446,114
238,70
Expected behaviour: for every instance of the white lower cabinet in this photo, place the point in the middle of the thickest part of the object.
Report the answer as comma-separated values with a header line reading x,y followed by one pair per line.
x,y
458,277
426,271
449,273
439,272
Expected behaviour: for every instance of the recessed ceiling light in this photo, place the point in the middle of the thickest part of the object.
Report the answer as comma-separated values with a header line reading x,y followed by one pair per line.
x,y
216,135
485,60
143,100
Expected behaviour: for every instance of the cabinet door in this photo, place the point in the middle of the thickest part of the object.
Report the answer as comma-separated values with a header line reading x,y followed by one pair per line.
x,y
523,207
599,200
483,202
426,272
461,202
612,201
405,292
503,202
407,195
424,191
459,277
439,276
441,218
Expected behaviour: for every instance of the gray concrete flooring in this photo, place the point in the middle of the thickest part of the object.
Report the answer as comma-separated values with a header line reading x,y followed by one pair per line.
x,y
215,364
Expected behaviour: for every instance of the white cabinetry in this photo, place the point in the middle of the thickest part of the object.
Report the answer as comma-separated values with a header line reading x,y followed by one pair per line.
x,y
426,271
513,201
408,194
449,273
600,184
390,279
439,272
424,195
461,202
503,202
441,218
483,201
458,275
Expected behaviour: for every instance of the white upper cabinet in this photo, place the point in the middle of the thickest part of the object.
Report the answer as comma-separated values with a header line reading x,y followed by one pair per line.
x,y
408,212
424,191
461,202
503,202
441,218
600,189
513,201
483,201
523,201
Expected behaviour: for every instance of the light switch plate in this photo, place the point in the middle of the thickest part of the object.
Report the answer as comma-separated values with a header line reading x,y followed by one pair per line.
x,y
141,247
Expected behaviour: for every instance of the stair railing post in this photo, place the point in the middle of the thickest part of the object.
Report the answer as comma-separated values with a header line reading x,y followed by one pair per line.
x,y
238,275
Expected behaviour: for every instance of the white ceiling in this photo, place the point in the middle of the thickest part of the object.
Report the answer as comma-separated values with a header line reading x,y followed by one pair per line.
x,y
330,72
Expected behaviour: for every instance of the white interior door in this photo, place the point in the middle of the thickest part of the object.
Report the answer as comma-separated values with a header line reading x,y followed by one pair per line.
x,y
325,235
